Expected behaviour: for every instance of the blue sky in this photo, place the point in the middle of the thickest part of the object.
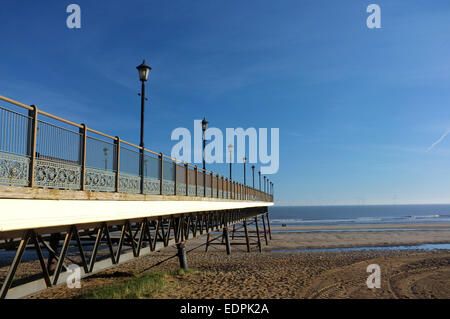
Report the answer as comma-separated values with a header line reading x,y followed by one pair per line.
x,y
357,108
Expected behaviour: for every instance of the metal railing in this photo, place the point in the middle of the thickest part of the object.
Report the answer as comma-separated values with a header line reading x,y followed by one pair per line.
x,y
39,149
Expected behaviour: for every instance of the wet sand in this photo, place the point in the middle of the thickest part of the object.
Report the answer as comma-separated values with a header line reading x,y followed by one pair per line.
x,y
404,274
425,233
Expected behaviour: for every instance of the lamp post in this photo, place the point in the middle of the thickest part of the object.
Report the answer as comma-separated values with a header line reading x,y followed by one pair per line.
x,y
105,151
143,70
230,148
265,183
253,175
245,170
204,127
259,173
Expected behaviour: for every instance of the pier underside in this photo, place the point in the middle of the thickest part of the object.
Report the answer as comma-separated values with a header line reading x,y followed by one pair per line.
x,y
64,228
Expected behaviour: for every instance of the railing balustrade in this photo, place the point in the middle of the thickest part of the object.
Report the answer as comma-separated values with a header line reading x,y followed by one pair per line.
x,y
38,149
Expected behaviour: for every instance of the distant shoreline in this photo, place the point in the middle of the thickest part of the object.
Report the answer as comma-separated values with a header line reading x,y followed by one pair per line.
x,y
362,226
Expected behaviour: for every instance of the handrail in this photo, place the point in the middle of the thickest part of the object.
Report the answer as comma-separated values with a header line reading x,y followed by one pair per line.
x,y
235,190
102,134
4,98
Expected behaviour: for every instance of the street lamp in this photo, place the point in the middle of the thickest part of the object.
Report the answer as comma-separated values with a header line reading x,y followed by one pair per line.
x,y
105,151
259,173
204,127
245,171
265,184
230,148
253,175
143,70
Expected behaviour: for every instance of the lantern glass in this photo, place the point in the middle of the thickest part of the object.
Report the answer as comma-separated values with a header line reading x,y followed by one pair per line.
x,y
204,124
144,71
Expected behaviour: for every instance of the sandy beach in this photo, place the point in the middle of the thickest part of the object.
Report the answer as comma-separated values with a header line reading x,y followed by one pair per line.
x,y
341,274
387,235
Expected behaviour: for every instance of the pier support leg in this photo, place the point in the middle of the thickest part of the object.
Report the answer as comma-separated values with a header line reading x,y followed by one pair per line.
x,y
52,258
227,240
208,238
257,234
264,227
246,236
234,230
15,264
268,225
182,255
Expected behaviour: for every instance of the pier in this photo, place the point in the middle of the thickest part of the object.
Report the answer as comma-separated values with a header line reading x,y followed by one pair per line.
x,y
75,195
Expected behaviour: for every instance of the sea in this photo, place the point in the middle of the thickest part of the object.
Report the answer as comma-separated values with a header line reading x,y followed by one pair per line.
x,y
358,215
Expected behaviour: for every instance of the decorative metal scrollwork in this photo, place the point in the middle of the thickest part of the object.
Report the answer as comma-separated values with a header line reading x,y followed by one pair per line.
x,y
129,184
14,169
200,191
152,186
181,189
169,187
191,190
100,180
50,174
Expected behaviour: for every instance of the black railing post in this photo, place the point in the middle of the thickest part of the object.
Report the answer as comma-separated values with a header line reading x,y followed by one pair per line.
x,y
32,143
83,132
141,167
117,161
161,168
212,193
175,179
186,178
196,180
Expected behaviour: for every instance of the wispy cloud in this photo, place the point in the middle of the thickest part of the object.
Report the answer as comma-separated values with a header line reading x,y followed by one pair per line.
x,y
438,140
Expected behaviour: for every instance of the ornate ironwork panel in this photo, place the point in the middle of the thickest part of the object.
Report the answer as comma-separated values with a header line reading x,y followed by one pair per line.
x,y
152,186
100,180
191,190
181,189
200,191
49,174
14,169
220,193
208,191
129,184
168,187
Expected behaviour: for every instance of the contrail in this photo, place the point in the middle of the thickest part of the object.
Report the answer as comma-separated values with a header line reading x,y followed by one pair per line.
x,y
439,140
